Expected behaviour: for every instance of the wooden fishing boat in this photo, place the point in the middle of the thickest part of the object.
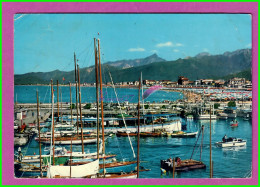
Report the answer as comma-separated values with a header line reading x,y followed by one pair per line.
x,y
181,134
68,141
107,165
119,134
150,134
121,175
183,165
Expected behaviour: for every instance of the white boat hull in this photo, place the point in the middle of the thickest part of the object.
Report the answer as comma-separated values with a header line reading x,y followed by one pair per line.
x,y
207,117
231,144
79,171
74,142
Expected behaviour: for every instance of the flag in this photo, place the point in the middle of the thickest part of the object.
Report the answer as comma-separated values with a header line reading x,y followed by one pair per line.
x,y
151,90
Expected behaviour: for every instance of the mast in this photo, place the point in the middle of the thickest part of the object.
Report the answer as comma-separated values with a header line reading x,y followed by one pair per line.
x,y
58,99
76,94
82,145
70,154
210,153
142,95
142,91
71,135
61,105
97,95
71,105
53,142
102,112
138,131
39,131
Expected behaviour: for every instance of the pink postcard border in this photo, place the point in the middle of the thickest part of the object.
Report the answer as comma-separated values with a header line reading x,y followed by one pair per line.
x,y
11,8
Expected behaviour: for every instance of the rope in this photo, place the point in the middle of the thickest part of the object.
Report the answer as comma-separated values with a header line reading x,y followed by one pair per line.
x,y
122,114
196,142
46,94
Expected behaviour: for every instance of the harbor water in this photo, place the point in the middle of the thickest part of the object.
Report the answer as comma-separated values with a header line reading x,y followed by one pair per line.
x,y
27,94
234,162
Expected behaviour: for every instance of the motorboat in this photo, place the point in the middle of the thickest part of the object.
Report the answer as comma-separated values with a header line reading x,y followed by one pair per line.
x,y
231,142
222,116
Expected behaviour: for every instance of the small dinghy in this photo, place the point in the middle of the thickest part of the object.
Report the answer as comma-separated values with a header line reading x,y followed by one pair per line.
x,y
231,142
234,124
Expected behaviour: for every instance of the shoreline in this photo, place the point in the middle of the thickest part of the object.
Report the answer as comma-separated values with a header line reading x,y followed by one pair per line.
x,y
145,87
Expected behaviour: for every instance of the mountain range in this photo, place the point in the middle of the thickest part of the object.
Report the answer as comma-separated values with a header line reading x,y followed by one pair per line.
x,y
201,66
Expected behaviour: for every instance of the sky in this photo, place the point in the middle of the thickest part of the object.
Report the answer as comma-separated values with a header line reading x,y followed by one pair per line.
x,y
46,42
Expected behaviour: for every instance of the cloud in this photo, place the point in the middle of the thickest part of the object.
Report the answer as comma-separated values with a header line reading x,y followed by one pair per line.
x,y
178,45
139,49
169,44
154,51
166,44
176,50
205,50
249,45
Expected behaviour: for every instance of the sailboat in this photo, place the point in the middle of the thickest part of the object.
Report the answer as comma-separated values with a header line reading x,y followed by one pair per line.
x,y
62,171
183,165
104,173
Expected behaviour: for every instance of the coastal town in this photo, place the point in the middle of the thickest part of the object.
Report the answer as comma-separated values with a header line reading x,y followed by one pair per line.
x,y
183,82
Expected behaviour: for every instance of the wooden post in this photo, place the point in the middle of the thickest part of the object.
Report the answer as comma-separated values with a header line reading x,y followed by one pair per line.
x,y
39,132
58,99
102,111
173,167
97,95
210,156
53,141
76,80
80,110
138,130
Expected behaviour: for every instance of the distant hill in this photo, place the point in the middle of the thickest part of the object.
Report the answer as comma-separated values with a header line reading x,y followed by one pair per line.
x,y
210,66
136,62
201,66
247,74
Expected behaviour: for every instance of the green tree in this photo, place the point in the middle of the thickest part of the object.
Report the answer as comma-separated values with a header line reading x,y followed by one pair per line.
x,y
216,105
231,104
146,106
163,107
87,106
